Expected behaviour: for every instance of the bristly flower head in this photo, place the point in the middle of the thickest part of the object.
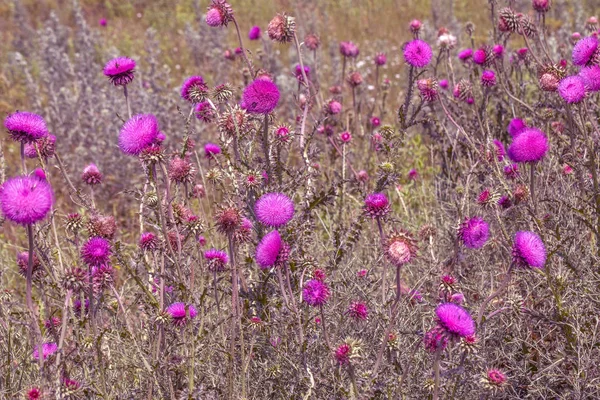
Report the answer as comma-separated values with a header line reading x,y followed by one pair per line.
x,y
428,89
180,316
204,112
219,13
541,6
268,250
481,56
120,71
528,250
435,339
591,78
376,205
25,127
312,41
455,319
228,220
516,126
572,89
211,150
34,394
180,170
380,59
401,248
91,175
494,378
274,209
465,55
46,145
500,151
254,33
474,232
358,311
333,107
96,251
194,89
148,241
488,78
349,49
48,349
23,264
345,137
342,353
217,260
417,53
138,133
26,199
260,97
585,50
529,146
315,293
282,28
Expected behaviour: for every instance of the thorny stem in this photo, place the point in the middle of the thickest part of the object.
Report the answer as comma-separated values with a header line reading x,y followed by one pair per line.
x,y
23,166
266,145
37,335
235,311
436,371
237,29
127,101
324,328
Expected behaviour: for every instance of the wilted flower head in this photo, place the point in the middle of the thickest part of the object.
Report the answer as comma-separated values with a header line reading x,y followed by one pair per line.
x,y
358,311
23,264
219,13
312,41
254,33
102,225
376,205
417,53
194,89
401,248
228,219
446,41
282,28
531,145
217,260
91,175
455,319
354,79
572,89
315,293
260,97
180,170
585,50
528,250
120,70
26,199
48,349
349,49
591,78
474,232
25,127
96,251
180,315
274,209
269,250
211,150
138,133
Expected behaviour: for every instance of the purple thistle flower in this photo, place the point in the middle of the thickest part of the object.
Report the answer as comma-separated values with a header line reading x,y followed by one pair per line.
x,y
479,57
516,126
219,13
217,260
511,171
267,251
25,127
204,112
500,152
333,107
358,311
474,232
465,54
455,319
591,78
572,89
274,209
298,72
211,150
148,241
120,70
342,353
488,78
380,59
584,50
254,33
315,293
103,22
444,83
91,175
194,89
45,145
528,250
529,146
180,315
48,349
417,53
26,199
435,339
96,251
349,49
498,50
138,133
376,205
260,97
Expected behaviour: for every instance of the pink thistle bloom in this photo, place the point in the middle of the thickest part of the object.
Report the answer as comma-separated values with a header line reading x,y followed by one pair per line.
x,y
260,97
274,209
380,59
435,339
96,251
376,205
362,176
488,78
254,33
474,232
201,241
567,170
362,273
516,126
268,250
298,72
455,319
194,89
180,315
401,248
204,112
48,349
572,89
120,71
180,170
541,6
91,175
345,137
342,353
34,394
500,151
349,49
417,53
217,260
358,311
444,84
23,263
25,127
103,22
148,241
26,200
448,280
315,293
333,107
495,377
591,78
584,50
375,122
465,55
52,323
528,250
45,145
413,175
219,13
511,171
498,50
480,57
529,146
211,150
319,274
138,133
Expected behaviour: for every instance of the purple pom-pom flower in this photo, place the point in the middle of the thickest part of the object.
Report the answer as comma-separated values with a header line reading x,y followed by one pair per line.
x,y
254,33
417,53
516,126
315,293
96,251
474,232
120,70
180,315
572,89
48,349
529,146
260,97
584,50
26,200
138,133
194,89
591,78
455,320
274,209
25,127
217,260
528,250
267,251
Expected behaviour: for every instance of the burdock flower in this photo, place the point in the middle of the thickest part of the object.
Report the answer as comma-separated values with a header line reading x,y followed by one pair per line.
x,y
217,260
180,170
474,232
358,311
48,349
26,199
591,78
91,175
315,293
282,28
219,13
455,320
572,89
254,33
194,89
274,209
488,78
25,127
417,53
138,133
260,97
529,146
269,249
585,50
401,248
181,314
96,251
376,205
528,250
120,70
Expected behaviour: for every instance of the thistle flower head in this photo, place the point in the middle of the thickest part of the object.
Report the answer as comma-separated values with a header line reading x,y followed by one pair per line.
x,y
354,79
465,55
516,126
282,28
312,42
401,248
91,175
342,353
528,250
380,59
211,150
181,314
585,50
102,225
591,78
474,232
349,49
315,293
455,319
267,251
148,241
228,219
180,170
23,264
298,72
260,97
511,171
254,33
572,89
217,260
274,209
531,145
358,311
25,127
96,251
541,6
120,71
446,41
435,339
345,137
428,89
45,145
417,53
138,133
26,199
34,394
48,349
376,205
194,89
488,78
219,13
